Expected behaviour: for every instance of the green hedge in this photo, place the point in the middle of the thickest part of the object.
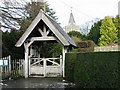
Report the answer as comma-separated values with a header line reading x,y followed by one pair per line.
x,y
93,69
69,66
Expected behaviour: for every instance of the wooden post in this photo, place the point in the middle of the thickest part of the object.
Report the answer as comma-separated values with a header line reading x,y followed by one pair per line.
x,y
44,67
9,58
39,54
26,60
20,66
61,65
30,58
64,51
23,67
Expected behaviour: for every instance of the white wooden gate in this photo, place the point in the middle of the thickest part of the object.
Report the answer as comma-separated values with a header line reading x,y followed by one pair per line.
x,y
45,67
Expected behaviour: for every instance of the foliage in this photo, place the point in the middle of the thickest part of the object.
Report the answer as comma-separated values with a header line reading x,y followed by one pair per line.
x,y
50,49
108,32
93,70
81,40
76,39
15,74
86,46
77,34
32,10
69,66
117,24
8,46
94,34
11,12
10,38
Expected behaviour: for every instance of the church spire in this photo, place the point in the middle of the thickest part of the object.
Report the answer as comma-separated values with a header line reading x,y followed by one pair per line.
x,y
71,19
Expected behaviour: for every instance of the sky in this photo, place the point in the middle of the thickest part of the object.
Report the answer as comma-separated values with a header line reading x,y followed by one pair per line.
x,y
83,10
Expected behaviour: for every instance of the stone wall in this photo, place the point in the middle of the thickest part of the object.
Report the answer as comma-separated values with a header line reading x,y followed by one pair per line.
x,y
107,48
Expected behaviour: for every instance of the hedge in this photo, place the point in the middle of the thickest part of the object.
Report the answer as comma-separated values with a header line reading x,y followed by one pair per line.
x,y
69,66
93,69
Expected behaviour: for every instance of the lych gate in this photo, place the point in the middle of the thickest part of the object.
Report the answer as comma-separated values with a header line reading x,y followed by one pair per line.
x,y
44,29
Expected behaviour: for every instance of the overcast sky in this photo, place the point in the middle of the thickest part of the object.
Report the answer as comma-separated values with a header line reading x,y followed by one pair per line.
x,y
83,10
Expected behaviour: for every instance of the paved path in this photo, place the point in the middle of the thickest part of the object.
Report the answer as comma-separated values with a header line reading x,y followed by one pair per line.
x,y
37,83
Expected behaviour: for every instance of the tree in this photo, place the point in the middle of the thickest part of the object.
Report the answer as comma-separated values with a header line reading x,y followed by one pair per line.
x,y
81,41
32,9
11,12
94,34
50,49
108,32
77,34
10,38
117,24
8,47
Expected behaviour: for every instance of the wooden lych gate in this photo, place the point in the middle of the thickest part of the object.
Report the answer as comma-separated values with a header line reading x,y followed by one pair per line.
x,y
44,29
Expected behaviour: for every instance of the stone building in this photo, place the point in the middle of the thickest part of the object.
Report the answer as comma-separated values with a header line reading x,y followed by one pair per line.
x,y
72,25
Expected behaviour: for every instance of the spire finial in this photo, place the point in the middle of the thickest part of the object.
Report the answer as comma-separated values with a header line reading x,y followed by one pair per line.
x,y
71,9
71,19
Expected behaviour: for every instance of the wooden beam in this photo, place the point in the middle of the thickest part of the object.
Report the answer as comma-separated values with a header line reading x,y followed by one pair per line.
x,y
60,37
48,31
30,43
53,62
45,32
41,32
50,38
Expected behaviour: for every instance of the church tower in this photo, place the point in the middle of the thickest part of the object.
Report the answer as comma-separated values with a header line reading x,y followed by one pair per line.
x,y
72,25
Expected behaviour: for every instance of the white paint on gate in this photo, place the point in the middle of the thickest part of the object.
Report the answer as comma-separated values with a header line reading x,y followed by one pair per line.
x,y
44,70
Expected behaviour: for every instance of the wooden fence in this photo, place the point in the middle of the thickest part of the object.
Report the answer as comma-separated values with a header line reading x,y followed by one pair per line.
x,y
5,67
17,68
11,68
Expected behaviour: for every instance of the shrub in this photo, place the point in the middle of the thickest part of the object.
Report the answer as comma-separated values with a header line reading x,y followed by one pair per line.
x,y
86,46
94,69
